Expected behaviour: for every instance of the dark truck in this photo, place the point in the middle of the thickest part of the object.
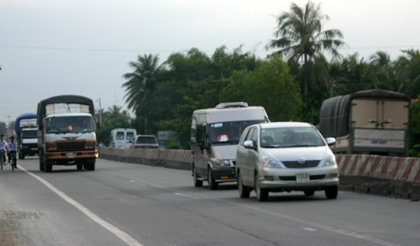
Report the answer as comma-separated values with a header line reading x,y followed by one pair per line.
x,y
66,132
367,122
26,135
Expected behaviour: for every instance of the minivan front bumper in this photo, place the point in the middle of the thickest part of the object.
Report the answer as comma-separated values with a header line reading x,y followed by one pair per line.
x,y
224,174
285,179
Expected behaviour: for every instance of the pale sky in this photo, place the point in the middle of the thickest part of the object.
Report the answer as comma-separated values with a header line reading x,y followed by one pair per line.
x,y
82,47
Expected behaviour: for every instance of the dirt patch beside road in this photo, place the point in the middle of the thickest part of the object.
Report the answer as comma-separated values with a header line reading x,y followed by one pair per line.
x,y
11,225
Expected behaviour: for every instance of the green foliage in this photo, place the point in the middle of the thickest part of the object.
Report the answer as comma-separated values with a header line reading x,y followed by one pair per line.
x,y
3,128
415,129
270,86
197,95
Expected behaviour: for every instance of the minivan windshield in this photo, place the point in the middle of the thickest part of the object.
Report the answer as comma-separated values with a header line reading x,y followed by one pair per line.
x,y
229,132
69,124
288,137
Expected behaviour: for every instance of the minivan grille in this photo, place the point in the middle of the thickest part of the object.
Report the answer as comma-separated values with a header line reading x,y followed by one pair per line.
x,y
71,146
296,164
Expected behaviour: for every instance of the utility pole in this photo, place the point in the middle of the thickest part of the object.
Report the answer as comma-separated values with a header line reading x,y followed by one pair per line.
x,y
100,113
332,85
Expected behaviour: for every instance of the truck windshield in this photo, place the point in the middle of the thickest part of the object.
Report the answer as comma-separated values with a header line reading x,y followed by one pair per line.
x,y
66,124
229,132
29,134
290,137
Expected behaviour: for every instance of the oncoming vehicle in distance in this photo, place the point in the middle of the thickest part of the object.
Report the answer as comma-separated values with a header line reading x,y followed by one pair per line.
x,y
285,156
146,142
215,133
66,132
122,138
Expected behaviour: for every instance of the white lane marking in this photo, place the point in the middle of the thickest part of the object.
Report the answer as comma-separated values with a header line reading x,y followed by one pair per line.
x,y
180,194
308,229
302,221
117,232
321,226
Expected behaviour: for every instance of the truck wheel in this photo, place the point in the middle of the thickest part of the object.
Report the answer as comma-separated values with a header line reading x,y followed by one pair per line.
x,y
41,165
20,156
90,165
48,166
309,192
79,166
212,184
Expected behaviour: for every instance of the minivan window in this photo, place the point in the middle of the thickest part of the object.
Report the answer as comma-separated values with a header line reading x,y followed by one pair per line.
x,y
229,132
290,137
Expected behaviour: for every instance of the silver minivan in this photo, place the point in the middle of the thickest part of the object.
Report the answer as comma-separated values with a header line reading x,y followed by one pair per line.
x,y
285,156
215,134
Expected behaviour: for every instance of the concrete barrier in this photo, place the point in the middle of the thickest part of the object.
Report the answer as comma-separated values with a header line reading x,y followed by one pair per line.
x,y
381,175
177,159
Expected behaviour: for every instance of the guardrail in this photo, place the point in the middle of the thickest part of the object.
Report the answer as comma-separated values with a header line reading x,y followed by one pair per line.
x,y
380,175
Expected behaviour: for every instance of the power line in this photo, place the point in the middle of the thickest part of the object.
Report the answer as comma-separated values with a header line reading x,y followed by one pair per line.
x,y
140,50
81,49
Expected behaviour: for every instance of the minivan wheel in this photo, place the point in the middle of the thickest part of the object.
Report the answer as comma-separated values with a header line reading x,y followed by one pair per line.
x,y
243,190
197,182
212,184
262,194
331,192
309,192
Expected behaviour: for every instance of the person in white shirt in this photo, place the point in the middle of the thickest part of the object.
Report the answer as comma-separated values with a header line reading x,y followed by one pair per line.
x,y
3,146
12,146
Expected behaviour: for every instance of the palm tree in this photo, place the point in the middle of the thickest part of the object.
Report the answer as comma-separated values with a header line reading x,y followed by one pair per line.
x,y
114,111
355,75
299,34
141,82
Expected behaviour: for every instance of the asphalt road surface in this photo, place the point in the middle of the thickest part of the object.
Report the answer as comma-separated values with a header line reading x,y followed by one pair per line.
x,y
128,204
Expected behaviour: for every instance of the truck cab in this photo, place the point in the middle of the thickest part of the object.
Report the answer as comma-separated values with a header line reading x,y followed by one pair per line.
x,y
26,135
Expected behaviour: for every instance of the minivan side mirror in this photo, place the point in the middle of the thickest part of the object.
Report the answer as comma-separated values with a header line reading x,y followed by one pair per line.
x,y
330,141
202,144
249,144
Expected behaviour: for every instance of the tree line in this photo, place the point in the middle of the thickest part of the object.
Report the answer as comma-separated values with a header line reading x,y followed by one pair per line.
x,y
290,84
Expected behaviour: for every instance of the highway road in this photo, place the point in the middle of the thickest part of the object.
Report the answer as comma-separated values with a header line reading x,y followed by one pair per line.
x,y
128,204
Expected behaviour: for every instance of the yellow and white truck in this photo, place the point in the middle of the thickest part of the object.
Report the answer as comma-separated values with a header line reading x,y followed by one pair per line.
x,y
66,132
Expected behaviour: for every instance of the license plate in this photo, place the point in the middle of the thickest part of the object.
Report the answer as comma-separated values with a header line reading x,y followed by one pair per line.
x,y
302,178
71,155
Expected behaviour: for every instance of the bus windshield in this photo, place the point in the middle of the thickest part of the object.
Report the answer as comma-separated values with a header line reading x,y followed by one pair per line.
x,y
229,132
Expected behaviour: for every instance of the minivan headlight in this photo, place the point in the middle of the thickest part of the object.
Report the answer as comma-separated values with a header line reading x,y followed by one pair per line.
x,y
222,162
270,163
329,161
